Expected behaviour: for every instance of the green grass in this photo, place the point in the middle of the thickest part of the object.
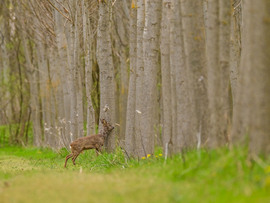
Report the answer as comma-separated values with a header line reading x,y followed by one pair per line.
x,y
37,175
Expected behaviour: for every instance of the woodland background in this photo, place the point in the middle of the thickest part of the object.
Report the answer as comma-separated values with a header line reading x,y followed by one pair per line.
x,y
181,74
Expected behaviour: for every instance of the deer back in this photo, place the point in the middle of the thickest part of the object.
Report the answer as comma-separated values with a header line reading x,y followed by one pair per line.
x,y
88,142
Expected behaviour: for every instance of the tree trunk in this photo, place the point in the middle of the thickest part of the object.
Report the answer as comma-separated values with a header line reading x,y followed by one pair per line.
x,y
106,68
194,43
235,52
131,100
140,145
151,67
179,73
252,113
78,69
65,82
34,92
166,73
88,40
121,22
218,57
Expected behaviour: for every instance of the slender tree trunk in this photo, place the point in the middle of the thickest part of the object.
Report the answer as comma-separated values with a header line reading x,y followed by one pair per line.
x,y
140,146
166,73
72,75
131,100
78,71
88,40
44,92
235,52
34,92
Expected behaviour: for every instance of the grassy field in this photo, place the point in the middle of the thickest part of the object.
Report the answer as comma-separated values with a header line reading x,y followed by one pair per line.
x,y
37,175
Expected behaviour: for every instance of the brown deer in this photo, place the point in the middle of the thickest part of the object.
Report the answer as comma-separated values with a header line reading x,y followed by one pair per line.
x,y
89,142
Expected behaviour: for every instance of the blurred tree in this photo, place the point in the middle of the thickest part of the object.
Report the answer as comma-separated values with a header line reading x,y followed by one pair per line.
x,y
194,46
218,58
252,111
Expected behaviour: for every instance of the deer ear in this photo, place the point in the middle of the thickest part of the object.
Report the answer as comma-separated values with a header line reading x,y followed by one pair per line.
x,y
103,121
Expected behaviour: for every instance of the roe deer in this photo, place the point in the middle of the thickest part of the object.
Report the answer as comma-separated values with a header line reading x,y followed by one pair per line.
x,y
89,142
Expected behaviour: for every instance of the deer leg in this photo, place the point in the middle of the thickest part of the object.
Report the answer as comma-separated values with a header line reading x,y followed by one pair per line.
x,y
67,158
97,152
74,158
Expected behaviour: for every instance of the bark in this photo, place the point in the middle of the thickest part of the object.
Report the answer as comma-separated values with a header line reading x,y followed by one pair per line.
x,y
72,51
194,44
151,68
61,43
88,40
44,91
106,69
252,113
140,145
52,89
121,22
178,61
5,40
218,57
235,45
166,73
131,100
78,69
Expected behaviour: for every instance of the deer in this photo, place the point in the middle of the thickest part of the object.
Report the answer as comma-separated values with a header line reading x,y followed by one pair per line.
x,y
89,142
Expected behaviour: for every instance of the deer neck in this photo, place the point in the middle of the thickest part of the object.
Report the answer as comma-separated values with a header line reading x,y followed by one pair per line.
x,y
104,133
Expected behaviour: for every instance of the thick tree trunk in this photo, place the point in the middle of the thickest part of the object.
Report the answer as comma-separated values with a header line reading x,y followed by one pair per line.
x,y
151,67
65,83
178,62
106,68
121,22
218,54
194,42
252,112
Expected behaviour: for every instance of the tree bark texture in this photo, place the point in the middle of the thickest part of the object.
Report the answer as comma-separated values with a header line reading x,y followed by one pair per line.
x,y
165,40
252,113
140,145
151,38
194,43
106,68
218,57
131,100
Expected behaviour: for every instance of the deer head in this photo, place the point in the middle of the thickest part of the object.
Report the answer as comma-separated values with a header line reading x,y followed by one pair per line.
x,y
107,127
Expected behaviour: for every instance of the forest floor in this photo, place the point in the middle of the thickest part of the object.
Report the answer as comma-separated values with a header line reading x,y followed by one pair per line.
x,y
37,175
